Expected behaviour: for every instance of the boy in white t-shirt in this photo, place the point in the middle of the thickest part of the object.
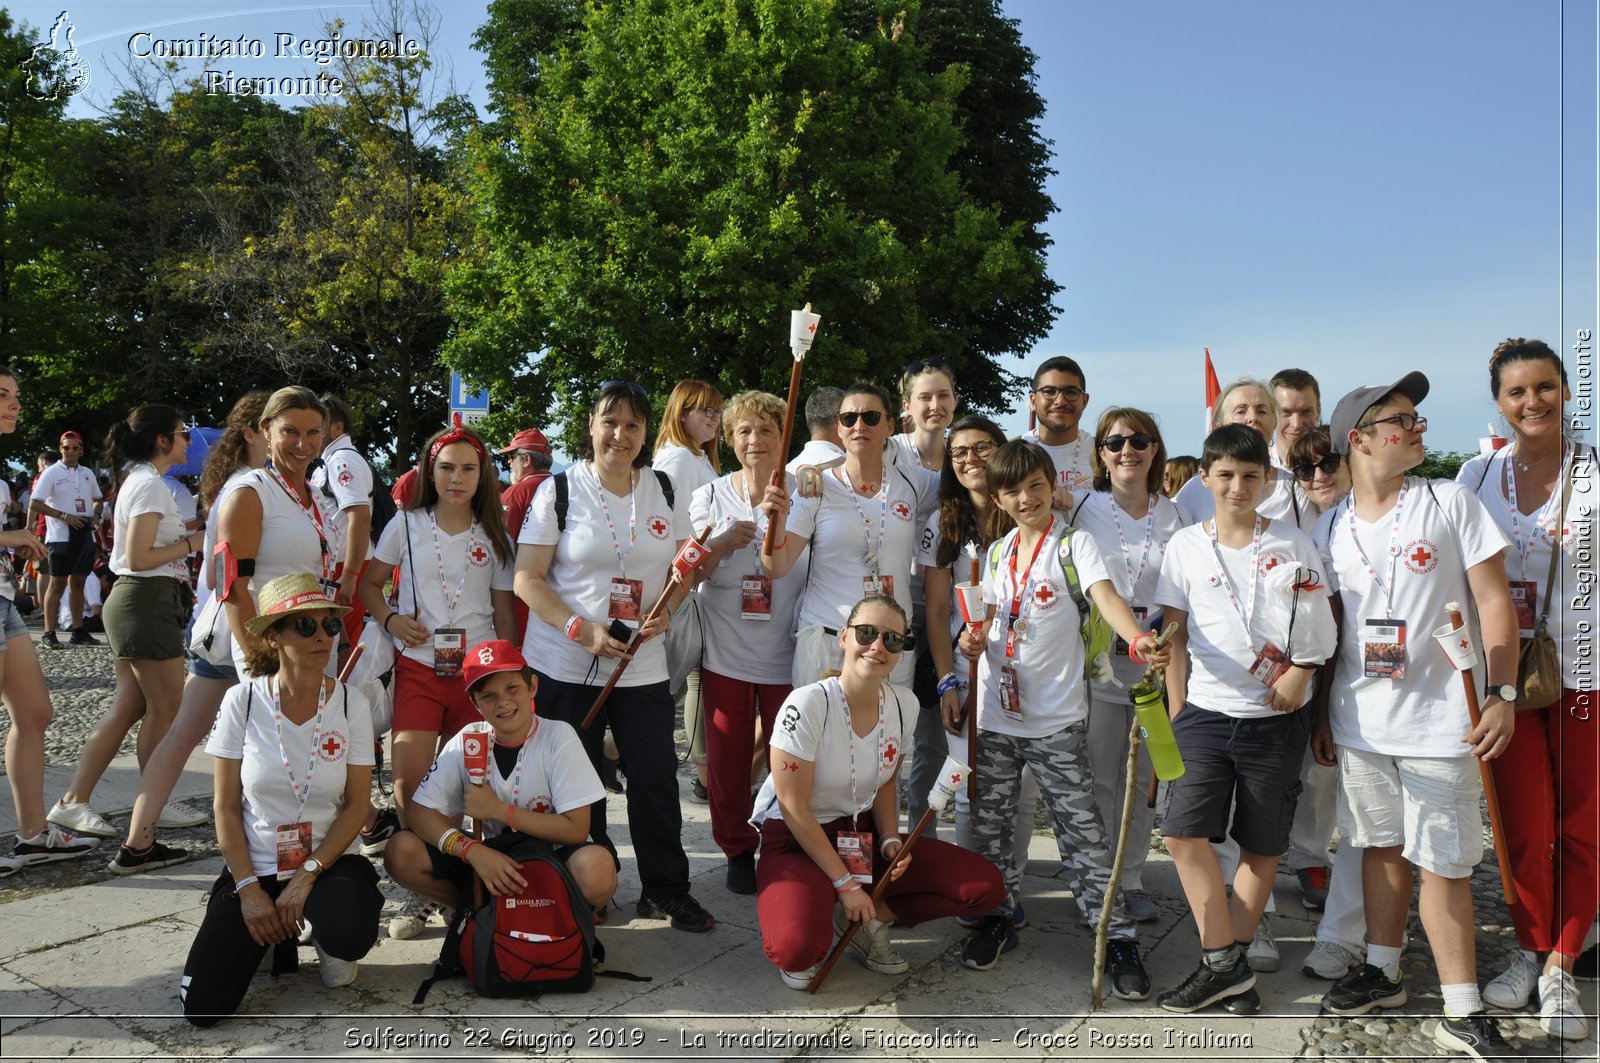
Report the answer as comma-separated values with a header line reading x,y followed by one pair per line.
x,y
1239,723
1397,551
535,780
1033,707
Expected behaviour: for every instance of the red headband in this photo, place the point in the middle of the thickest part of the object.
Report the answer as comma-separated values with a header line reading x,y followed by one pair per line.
x,y
455,435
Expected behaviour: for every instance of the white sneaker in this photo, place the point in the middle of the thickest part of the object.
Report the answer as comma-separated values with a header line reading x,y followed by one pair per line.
x,y
871,945
1330,960
800,980
81,819
10,865
176,817
1262,955
1560,1014
1511,989
334,971
412,918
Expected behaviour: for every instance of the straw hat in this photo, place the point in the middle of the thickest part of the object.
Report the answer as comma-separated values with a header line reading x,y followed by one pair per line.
x,y
298,592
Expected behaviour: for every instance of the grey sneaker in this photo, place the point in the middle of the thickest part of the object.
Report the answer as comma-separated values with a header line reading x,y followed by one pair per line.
x,y
871,946
1512,987
1331,961
1262,955
1141,909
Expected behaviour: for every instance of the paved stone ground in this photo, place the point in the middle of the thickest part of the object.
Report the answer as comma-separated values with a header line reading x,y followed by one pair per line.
x,y
89,964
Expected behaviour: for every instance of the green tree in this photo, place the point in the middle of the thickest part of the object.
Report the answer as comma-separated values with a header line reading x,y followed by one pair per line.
x,y
665,179
1441,464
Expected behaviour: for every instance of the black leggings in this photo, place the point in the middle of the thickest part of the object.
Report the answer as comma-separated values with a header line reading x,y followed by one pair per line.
x,y
342,907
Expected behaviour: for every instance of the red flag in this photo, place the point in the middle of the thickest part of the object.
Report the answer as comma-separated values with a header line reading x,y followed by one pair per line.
x,y
1213,391
688,558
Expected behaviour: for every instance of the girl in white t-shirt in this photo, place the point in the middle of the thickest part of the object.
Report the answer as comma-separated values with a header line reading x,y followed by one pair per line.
x,y
294,759
147,607
830,814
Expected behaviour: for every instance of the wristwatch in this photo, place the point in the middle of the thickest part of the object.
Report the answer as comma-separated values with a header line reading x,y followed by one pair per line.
x,y
313,866
1505,692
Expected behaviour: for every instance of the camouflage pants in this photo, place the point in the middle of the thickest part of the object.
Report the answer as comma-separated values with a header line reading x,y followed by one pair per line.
x,y
1060,764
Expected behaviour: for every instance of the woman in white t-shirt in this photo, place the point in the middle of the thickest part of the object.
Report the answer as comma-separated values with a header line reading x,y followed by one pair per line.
x,y
1250,402
1549,796
148,606
293,755
830,814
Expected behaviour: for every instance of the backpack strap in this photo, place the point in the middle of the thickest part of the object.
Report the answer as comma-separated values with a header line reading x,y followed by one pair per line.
x,y
560,480
666,488
1069,570
249,696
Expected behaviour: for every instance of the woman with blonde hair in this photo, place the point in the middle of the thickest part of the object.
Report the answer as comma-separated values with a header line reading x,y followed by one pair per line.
x,y
1249,401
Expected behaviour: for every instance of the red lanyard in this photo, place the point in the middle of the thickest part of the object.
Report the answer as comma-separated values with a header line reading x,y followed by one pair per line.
x,y
312,513
1020,587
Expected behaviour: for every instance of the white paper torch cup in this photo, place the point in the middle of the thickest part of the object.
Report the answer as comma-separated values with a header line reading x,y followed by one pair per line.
x,y
969,597
802,329
1457,645
951,776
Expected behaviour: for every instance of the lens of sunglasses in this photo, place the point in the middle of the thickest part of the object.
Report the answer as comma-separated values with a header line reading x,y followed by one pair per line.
x,y
893,641
869,417
1138,441
637,389
922,365
976,450
1308,470
306,626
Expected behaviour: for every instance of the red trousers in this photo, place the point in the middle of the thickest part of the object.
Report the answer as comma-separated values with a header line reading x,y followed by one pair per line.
x,y
1548,783
729,708
794,898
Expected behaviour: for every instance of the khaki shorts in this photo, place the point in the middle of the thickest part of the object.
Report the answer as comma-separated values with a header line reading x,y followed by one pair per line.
x,y
1427,805
144,618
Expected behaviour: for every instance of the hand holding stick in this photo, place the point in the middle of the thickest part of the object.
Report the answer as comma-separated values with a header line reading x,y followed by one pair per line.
x,y
1464,663
802,331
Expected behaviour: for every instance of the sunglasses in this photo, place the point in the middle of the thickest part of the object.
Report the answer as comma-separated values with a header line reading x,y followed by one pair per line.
x,y
893,641
185,433
868,417
1138,441
1308,470
923,365
981,451
1407,422
1051,392
306,626
626,385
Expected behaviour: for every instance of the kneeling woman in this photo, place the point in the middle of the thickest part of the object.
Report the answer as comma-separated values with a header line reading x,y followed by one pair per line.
x,y
540,784
293,753
832,796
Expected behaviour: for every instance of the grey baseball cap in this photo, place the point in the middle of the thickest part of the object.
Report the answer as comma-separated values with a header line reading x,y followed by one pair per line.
x,y
1354,406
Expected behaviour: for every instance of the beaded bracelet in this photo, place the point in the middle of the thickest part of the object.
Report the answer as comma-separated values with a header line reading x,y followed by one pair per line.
x,y
950,681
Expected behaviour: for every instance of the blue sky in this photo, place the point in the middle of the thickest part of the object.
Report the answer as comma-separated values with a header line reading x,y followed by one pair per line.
x,y
1358,189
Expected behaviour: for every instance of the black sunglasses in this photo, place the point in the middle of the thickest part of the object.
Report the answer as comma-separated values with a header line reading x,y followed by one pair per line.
x,y
893,641
306,626
1308,470
869,417
627,385
1138,441
923,365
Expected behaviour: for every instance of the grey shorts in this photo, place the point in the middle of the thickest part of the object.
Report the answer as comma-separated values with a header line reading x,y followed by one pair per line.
x,y
144,618
1252,763
11,620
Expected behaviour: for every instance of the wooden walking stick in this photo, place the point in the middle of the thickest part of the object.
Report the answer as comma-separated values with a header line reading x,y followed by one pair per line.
x,y
1496,828
802,331
693,552
970,710
350,665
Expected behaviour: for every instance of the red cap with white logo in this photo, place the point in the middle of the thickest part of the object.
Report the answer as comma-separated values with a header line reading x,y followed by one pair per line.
x,y
487,658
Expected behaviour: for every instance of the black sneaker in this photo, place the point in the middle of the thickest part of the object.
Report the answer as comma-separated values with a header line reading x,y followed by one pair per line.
x,y
993,937
1246,1003
383,828
129,862
49,639
81,637
698,794
742,873
609,777
1586,968
1206,986
1477,1036
683,910
1363,989
1129,979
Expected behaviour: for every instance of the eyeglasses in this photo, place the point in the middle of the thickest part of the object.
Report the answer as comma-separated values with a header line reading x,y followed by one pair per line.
x,y
1407,421
1051,392
893,641
868,417
981,451
1308,470
628,385
1138,441
923,365
306,626
712,412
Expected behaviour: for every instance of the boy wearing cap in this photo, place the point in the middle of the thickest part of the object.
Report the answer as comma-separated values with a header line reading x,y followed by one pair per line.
x,y
1395,552
535,779
67,495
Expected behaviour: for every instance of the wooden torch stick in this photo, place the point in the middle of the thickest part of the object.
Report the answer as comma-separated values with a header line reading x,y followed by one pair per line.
x,y
1114,884
350,665
970,710
788,436
1496,828
638,640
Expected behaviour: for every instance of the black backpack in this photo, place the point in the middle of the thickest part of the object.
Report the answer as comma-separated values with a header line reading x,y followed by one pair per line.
x,y
381,498
560,479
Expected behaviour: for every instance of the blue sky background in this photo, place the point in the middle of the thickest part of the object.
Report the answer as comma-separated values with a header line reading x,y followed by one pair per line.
x,y
1358,190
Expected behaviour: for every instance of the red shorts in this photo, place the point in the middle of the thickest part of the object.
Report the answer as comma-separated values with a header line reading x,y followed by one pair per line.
x,y
427,702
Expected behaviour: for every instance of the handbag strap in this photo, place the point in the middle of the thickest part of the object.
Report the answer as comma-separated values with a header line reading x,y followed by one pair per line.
x,y
1555,541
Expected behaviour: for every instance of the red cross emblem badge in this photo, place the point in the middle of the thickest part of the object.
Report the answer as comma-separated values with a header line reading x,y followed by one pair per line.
x,y
345,477
331,747
889,752
1421,556
901,510
658,527
479,556
1045,595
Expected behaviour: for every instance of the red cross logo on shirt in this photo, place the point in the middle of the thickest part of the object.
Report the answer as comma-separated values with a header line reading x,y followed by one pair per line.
x,y
332,746
901,510
479,555
541,806
889,752
1272,563
1421,556
658,527
1044,596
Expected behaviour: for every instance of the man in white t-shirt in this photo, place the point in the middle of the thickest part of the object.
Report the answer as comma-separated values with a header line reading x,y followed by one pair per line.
x,y
1058,400
67,495
343,486
1398,552
822,420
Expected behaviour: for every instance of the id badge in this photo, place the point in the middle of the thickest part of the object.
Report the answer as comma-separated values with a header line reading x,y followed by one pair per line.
x,y
627,599
1010,694
294,847
1139,614
755,598
449,651
83,507
1524,598
1383,649
871,585
855,849
1270,664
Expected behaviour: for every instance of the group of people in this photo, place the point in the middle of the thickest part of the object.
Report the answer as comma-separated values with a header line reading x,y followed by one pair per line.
x,y
1285,590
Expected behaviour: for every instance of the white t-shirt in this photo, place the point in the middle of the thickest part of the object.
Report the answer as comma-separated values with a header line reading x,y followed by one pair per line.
x,y
342,482
1073,470
840,541
1133,557
1283,501
552,774
752,651
471,573
91,598
817,452
291,540
814,725
70,491
1425,713
689,470
144,491
1220,650
1529,558
343,738
1049,651
585,563
188,507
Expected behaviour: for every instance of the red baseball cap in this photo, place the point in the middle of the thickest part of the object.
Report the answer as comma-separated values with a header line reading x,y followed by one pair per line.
x,y
76,438
487,658
527,439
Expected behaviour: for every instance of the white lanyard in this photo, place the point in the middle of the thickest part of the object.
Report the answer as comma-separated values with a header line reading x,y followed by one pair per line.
x,y
872,548
880,743
1538,518
312,513
633,514
1394,548
451,601
1248,608
1127,555
311,758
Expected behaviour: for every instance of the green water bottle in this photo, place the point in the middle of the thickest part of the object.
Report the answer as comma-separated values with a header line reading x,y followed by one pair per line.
x,y
1150,708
